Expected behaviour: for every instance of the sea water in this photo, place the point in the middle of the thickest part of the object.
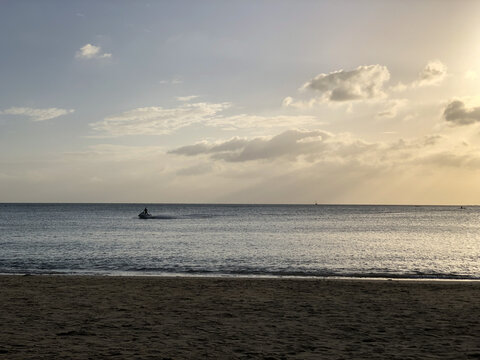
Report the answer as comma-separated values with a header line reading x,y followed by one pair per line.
x,y
435,242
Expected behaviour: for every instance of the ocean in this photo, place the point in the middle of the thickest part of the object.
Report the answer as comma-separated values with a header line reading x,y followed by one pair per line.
x,y
413,242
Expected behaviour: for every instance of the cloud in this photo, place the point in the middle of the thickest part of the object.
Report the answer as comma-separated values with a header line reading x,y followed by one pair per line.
x,y
457,113
365,82
116,153
288,144
37,114
392,108
174,81
301,148
90,51
247,121
300,104
293,166
399,87
196,170
156,120
432,74
452,160
228,146
304,166
187,98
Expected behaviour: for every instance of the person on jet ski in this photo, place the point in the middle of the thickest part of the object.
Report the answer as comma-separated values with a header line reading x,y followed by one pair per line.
x,y
145,211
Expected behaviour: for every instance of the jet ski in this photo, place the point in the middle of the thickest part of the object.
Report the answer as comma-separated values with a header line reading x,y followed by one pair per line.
x,y
144,215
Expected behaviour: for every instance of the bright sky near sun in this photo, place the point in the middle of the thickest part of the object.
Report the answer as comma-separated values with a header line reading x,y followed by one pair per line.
x,y
240,101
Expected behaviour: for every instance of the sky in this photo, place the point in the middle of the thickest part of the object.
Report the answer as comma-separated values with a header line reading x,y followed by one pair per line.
x,y
335,102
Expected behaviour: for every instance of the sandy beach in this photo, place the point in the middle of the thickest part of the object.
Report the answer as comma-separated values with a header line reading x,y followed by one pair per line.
x,y
193,318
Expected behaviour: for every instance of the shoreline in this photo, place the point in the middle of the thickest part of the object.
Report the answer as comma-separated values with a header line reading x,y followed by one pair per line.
x,y
101,317
243,276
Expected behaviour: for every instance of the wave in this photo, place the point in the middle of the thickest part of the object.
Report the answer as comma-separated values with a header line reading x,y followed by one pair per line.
x,y
163,217
173,217
181,271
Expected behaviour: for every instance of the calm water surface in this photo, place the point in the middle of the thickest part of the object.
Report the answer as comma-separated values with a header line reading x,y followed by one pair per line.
x,y
299,240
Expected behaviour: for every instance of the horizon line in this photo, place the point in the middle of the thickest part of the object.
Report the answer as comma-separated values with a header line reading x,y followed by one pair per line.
x,y
227,203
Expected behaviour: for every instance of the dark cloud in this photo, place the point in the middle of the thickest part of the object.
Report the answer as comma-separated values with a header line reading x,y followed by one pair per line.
x,y
192,150
431,140
457,113
365,82
449,159
204,148
231,145
291,143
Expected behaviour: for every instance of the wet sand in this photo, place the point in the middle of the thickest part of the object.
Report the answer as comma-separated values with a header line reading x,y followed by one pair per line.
x,y
198,318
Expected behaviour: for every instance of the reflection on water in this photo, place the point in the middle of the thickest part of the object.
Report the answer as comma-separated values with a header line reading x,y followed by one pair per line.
x,y
391,241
